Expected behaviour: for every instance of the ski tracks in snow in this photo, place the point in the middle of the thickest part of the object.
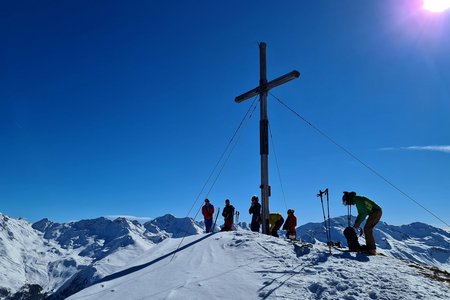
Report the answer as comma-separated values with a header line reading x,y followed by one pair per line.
x,y
316,274
247,265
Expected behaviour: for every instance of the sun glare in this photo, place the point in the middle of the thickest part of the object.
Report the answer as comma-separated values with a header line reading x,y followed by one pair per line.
x,y
436,5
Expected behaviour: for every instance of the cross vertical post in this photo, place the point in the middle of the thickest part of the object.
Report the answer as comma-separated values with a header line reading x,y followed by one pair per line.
x,y
262,90
264,139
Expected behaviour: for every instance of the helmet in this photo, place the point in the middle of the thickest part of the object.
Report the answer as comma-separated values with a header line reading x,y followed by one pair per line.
x,y
347,198
290,211
255,198
207,200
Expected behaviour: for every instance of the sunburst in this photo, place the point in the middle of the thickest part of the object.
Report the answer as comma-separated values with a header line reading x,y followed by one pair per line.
x,y
436,5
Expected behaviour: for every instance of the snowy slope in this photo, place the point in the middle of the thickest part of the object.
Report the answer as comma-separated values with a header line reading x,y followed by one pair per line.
x,y
417,242
60,259
25,257
246,265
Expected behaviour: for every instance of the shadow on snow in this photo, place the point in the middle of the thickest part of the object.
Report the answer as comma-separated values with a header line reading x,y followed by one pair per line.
x,y
140,267
300,251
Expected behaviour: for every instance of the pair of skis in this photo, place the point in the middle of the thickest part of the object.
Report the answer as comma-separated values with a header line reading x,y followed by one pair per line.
x,y
300,243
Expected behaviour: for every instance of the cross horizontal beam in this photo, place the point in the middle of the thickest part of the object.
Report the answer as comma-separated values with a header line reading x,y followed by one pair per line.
x,y
268,86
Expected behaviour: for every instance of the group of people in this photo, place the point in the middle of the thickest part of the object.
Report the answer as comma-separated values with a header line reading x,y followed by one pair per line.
x,y
365,206
276,220
227,214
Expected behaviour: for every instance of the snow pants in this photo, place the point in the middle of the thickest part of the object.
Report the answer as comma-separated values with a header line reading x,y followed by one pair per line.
x,y
254,226
208,225
277,227
373,220
228,225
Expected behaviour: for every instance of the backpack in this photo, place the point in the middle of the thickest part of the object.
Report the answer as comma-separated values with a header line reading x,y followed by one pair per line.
x,y
352,239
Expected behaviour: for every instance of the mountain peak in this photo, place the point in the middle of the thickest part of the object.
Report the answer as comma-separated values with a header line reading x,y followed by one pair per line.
x,y
66,257
173,226
42,225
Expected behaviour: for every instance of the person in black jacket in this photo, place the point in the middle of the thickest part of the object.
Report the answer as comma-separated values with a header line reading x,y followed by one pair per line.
x,y
255,211
228,215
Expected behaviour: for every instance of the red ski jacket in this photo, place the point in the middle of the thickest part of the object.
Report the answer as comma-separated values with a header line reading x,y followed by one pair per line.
x,y
208,211
290,224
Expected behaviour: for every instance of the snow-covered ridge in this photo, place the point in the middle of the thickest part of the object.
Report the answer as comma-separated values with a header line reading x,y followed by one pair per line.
x,y
417,242
57,256
248,265
59,259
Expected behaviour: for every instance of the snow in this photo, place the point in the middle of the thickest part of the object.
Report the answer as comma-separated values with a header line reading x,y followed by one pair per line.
x,y
124,259
24,256
417,242
49,254
247,265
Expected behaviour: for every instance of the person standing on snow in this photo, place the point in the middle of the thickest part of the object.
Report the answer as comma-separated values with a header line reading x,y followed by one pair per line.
x,y
365,207
255,211
275,222
290,225
228,215
208,212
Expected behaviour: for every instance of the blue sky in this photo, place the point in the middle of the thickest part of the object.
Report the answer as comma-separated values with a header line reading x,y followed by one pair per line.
x,y
124,107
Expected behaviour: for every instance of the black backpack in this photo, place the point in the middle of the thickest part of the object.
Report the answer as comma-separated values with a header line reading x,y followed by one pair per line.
x,y
352,239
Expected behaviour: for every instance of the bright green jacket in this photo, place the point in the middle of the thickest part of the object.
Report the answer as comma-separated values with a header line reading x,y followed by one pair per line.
x,y
365,207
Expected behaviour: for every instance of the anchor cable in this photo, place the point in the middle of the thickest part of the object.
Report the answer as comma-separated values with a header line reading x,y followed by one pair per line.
x,y
247,117
278,167
359,160
234,145
249,111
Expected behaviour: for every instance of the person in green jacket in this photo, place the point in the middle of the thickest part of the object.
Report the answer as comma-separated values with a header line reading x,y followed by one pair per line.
x,y
366,207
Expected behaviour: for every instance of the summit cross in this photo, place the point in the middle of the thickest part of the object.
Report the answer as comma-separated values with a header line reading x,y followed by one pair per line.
x,y
262,90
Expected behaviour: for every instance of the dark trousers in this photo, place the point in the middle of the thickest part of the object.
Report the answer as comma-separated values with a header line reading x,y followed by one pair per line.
x,y
208,225
228,225
254,226
373,220
277,227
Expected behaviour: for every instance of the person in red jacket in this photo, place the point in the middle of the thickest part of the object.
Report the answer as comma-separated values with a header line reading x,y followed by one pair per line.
x,y
208,212
290,225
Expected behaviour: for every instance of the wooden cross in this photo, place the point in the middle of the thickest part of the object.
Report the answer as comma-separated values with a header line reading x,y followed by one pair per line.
x,y
262,90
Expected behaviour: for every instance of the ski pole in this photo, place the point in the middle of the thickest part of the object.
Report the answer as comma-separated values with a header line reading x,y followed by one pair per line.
x,y
349,215
324,219
328,225
329,220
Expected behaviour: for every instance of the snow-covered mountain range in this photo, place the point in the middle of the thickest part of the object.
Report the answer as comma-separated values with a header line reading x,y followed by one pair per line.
x,y
52,260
